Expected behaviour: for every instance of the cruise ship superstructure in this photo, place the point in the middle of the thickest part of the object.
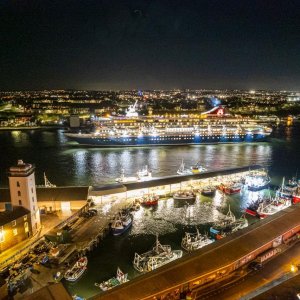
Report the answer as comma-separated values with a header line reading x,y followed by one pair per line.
x,y
208,128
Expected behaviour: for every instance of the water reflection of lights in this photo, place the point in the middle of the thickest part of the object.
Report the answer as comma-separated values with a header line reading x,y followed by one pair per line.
x,y
106,208
80,161
218,198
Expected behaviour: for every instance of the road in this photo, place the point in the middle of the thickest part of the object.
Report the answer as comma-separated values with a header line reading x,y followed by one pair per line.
x,y
277,268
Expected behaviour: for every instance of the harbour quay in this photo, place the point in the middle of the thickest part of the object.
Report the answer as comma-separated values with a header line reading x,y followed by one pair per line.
x,y
86,233
166,186
215,263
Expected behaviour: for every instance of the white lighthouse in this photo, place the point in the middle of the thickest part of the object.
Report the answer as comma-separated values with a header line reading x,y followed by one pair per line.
x,y
23,191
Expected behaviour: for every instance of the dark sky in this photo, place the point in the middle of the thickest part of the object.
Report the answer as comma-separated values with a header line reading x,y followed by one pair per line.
x,y
112,44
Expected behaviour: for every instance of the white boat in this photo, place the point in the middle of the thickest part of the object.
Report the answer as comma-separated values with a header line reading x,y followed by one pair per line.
x,y
123,178
114,281
183,171
184,195
155,258
77,270
144,174
194,241
264,210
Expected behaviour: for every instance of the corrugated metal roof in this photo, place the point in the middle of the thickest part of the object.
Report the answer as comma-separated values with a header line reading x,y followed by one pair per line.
x,y
68,193
208,259
65,193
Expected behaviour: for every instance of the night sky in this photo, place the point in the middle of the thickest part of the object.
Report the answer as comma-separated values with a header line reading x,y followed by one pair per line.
x,y
149,44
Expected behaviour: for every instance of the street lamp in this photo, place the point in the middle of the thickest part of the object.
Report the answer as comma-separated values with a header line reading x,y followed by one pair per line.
x,y
294,269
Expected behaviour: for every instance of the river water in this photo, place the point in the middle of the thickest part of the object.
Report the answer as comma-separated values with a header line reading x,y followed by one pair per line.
x,y
68,164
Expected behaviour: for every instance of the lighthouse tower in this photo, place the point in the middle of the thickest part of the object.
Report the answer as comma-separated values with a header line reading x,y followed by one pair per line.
x,y
23,191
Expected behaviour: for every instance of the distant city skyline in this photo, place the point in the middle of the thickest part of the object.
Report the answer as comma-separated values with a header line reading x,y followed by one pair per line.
x,y
114,45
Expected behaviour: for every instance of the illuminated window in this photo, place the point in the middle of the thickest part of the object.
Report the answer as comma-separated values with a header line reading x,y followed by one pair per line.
x,y
15,231
20,202
25,218
13,223
18,184
26,227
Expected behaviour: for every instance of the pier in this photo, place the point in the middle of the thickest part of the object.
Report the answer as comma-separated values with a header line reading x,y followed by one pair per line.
x,y
107,200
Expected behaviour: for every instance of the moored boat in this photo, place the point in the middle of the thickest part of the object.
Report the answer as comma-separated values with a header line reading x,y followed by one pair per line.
x,y
193,241
182,170
227,225
208,191
277,204
150,200
77,269
158,256
231,188
197,168
184,195
121,223
144,174
114,281
257,181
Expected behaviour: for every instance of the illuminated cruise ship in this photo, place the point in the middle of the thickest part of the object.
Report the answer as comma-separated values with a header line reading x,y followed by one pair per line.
x,y
211,127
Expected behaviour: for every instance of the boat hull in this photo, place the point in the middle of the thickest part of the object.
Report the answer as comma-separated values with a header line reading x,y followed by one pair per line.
x,y
119,231
258,188
163,140
296,199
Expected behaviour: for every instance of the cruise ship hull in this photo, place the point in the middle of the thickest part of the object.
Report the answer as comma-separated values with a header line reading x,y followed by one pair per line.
x,y
163,141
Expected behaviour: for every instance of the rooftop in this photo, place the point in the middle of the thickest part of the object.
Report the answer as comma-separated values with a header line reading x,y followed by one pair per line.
x,y
10,215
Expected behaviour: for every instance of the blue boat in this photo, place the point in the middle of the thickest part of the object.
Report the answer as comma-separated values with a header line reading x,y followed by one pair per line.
x,y
121,223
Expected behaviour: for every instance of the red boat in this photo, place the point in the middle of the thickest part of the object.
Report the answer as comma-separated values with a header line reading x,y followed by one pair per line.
x,y
230,188
150,200
251,212
296,198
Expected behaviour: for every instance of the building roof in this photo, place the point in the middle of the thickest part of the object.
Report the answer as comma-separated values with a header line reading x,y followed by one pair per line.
x,y
180,178
66,193
51,292
123,187
10,215
208,259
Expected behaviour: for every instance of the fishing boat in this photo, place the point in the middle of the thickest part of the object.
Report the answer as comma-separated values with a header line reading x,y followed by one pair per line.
x,y
252,207
184,195
149,200
121,223
77,270
158,256
257,181
123,178
208,191
227,225
231,188
144,174
114,281
136,205
182,170
277,204
197,168
296,197
287,191
193,241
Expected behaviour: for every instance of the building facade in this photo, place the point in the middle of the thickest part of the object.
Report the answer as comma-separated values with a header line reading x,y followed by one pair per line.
x,y
23,191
